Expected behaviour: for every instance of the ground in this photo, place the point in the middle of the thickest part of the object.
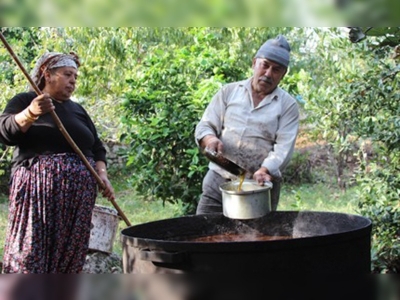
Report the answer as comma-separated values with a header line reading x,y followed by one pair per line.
x,y
102,263
317,157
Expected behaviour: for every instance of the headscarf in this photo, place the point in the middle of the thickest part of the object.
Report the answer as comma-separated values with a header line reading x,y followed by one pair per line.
x,y
52,60
277,50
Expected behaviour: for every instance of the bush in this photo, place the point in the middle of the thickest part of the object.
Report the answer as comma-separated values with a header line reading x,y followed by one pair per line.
x,y
166,99
375,99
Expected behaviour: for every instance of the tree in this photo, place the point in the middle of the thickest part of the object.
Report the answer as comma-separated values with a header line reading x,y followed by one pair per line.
x,y
376,97
352,98
330,67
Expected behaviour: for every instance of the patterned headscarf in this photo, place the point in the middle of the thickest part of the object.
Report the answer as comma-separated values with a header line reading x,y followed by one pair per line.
x,y
52,60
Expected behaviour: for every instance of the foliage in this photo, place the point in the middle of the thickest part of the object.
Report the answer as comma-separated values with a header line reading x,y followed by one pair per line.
x,y
23,40
327,89
352,97
379,200
375,98
167,97
391,35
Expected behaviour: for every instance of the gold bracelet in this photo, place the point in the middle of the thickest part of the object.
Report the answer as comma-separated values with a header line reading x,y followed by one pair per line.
x,y
28,117
32,114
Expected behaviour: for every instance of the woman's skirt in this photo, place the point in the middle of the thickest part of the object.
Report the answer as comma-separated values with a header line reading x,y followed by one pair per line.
x,y
50,212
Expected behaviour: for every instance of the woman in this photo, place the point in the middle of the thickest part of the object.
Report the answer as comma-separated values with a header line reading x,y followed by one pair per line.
x,y
52,192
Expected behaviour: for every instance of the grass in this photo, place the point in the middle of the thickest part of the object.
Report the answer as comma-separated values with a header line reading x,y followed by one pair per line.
x,y
318,197
138,210
3,222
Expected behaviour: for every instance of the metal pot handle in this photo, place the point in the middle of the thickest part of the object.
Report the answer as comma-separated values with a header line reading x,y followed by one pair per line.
x,y
268,184
162,257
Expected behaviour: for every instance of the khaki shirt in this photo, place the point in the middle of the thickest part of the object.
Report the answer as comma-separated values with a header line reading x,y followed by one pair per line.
x,y
252,136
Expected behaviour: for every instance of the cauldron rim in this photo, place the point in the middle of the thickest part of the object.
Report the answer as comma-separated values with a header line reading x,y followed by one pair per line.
x,y
155,243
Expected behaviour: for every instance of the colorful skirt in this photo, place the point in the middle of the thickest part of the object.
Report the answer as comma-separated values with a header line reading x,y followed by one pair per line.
x,y
50,212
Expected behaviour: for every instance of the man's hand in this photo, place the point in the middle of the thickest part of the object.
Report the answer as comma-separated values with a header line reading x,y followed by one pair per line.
x,y
212,143
262,175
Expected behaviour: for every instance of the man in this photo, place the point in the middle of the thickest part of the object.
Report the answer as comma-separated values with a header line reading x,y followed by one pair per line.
x,y
254,123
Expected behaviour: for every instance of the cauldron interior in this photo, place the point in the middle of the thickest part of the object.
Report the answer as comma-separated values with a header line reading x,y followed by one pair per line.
x,y
322,242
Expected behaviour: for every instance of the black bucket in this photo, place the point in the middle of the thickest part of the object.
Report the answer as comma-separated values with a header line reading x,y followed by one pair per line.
x,y
314,243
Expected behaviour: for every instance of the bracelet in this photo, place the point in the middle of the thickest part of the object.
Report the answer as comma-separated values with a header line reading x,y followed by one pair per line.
x,y
32,114
28,116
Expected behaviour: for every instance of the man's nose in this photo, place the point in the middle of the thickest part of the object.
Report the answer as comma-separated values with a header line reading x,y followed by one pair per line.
x,y
268,72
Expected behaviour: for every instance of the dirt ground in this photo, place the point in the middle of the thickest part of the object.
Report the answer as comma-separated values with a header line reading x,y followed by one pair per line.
x,y
318,150
318,157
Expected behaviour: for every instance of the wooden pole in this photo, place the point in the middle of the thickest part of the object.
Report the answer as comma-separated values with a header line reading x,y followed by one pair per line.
x,y
62,128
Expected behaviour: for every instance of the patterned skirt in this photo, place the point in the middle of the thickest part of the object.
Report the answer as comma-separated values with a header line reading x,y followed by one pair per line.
x,y
49,218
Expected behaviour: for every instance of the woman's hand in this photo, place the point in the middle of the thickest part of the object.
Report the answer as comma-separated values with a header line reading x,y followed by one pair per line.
x,y
108,192
41,105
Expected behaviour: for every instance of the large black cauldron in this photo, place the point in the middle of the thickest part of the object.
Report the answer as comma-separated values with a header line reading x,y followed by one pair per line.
x,y
321,243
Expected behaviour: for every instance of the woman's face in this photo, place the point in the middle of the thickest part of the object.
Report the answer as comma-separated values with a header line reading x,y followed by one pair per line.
x,y
60,82
266,75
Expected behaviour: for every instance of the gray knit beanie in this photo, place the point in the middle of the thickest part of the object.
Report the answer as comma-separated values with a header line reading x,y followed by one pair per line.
x,y
277,50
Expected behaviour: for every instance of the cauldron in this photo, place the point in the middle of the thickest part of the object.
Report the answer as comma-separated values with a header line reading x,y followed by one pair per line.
x,y
312,242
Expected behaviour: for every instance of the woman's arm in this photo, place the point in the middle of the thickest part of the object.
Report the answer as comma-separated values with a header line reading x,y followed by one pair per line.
x,y
101,169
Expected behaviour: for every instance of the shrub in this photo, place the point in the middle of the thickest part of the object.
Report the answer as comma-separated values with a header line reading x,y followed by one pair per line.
x,y
166,99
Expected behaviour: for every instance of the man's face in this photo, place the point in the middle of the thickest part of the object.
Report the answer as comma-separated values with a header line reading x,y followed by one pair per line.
x,y
266,75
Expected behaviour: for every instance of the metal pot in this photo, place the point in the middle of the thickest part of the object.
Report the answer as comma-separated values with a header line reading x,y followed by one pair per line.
x,y
250,202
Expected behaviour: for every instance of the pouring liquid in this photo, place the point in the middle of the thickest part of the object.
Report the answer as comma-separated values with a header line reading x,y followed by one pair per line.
x,y
242,176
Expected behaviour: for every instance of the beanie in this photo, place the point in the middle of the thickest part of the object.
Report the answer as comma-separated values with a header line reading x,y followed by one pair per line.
x,y
277,50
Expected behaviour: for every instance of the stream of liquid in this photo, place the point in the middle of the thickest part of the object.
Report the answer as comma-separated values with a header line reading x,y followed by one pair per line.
x,y
242,176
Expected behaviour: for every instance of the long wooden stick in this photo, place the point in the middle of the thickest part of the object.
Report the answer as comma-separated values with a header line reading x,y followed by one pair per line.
x,y
62,128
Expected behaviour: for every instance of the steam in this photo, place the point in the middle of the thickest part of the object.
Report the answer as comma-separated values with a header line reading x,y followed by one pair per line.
x,y
295,224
